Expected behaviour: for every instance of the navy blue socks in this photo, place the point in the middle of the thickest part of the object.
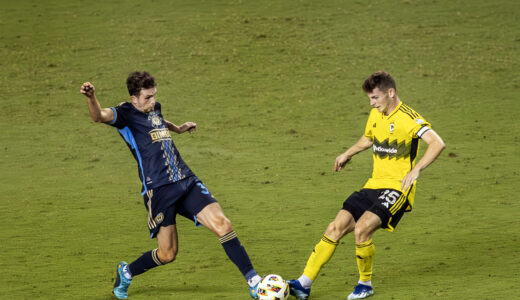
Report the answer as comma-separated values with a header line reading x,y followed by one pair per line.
x,y
144,263
237,254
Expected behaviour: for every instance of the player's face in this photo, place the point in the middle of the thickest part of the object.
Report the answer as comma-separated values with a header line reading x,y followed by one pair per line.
x,y
381,100
146,100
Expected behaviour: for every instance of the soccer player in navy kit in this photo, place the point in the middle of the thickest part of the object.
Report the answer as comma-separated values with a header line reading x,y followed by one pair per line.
x,y
169,186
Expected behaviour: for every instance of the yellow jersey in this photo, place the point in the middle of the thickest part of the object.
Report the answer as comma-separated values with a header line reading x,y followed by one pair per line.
x,y
395,146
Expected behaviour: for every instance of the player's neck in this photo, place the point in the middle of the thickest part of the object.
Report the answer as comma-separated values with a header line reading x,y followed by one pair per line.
x,y
393,105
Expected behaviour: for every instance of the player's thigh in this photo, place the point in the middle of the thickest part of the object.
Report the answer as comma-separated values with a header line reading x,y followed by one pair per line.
x,y
389,205
212,216
167,239
200,206
342,224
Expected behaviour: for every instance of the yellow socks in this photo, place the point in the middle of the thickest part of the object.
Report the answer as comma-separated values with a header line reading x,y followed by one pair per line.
x,y
321,254
365,258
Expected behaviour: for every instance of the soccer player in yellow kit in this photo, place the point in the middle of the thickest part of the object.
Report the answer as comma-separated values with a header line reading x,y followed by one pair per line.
x,y
392,131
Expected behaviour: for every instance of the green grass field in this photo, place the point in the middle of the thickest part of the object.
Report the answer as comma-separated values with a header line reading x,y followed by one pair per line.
x,y
274,87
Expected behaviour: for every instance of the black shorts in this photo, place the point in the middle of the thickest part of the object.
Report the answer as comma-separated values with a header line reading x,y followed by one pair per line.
x,y
186,197
388,204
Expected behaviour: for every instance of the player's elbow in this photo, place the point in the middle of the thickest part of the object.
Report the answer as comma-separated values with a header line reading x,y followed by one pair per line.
x,y
437,143
97,119
101,118
441,145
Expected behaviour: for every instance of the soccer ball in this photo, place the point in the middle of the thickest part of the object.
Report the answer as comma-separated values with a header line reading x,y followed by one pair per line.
x,y
273,287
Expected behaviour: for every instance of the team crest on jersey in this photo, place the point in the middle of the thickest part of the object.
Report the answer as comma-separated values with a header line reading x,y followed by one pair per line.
x,y
159,218
419,121
156,121
392,127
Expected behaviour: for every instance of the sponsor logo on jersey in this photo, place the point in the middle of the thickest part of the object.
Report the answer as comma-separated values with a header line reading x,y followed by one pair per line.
x,y
160,134
393,149
379,149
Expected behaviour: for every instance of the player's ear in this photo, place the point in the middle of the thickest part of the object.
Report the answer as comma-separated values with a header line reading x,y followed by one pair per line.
x,y
133,99
391,92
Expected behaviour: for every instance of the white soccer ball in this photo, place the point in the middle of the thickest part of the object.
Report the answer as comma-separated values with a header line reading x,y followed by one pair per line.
x,y
273,287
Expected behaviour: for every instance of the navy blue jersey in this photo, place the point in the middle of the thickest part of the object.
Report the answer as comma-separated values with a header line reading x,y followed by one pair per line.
x,y
147,136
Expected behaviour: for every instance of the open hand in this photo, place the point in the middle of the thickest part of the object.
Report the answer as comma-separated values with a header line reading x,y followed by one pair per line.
x,y
409,179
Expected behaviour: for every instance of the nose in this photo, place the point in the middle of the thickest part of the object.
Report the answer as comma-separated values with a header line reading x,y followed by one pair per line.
x,y
372,102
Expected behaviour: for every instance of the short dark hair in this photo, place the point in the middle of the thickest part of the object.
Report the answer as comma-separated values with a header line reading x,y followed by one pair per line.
x,y
139,80
379,79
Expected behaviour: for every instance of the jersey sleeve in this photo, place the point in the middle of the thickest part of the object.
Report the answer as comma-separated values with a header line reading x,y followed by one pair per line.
x,y
120,113
369,132
417,126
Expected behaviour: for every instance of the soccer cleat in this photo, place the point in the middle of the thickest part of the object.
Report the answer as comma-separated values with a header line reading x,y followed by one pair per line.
x,y
122,283
253,291
297,290
361,291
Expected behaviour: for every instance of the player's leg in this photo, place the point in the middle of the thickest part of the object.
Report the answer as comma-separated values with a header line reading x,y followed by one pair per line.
x,y
353,208
163,254
365,250
212,216
322,252
161,223
167,242
200,206
386,211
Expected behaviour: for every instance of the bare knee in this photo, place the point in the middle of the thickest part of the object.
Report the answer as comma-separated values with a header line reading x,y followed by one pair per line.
x,y
336,230
167,256
362,233
366,226
222,225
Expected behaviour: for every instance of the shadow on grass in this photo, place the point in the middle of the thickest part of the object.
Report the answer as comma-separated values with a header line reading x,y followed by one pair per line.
x,y
177,290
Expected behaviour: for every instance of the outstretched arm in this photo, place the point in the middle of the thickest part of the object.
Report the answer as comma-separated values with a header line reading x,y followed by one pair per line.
x,y
435,147
97,114
361,145
188,126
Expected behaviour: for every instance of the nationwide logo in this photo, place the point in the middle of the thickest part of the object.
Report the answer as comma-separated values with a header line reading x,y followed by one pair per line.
x,y
160,134
386,150
393,149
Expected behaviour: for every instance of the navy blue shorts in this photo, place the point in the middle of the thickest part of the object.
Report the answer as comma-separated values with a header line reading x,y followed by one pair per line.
x,y
186,197
388,204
